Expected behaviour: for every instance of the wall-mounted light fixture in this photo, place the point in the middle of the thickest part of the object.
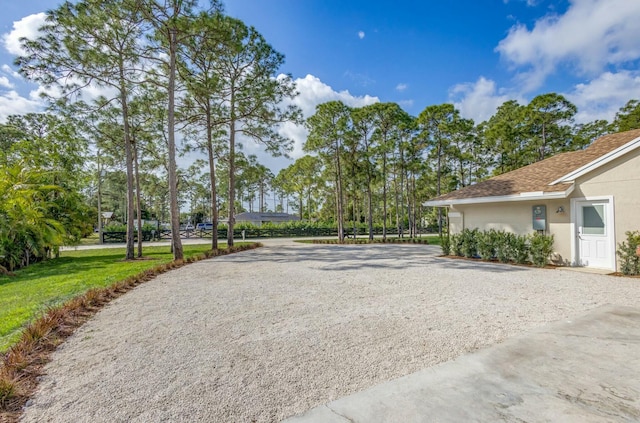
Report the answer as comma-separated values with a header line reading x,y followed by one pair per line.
x,y
560,210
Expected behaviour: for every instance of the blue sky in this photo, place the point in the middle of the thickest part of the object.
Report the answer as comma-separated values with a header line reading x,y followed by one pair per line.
x,y
473,53
398,51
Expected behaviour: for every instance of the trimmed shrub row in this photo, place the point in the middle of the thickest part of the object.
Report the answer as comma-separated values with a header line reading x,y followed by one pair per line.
x,y
503,246
374,241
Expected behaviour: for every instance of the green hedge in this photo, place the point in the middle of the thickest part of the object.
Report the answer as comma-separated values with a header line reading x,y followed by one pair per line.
x,y
374,241
503,246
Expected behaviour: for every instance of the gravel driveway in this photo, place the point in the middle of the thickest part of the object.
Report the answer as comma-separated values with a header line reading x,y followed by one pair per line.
x,y
265,334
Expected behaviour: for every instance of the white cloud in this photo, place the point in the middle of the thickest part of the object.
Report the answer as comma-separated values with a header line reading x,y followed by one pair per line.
x,y
603,96
478,100
589,36
88,94
359,78
26,27
407,104
401,87
9,71
361,34
312,91
530,3
4,82
11,103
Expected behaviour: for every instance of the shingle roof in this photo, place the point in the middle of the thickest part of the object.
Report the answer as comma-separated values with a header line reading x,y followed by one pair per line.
x,y
537,176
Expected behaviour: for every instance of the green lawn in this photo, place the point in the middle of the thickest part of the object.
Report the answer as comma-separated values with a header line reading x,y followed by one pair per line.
x,y
42,285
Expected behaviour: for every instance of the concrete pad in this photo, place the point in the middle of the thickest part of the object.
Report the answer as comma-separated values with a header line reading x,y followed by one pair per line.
x,y
591,270
585,370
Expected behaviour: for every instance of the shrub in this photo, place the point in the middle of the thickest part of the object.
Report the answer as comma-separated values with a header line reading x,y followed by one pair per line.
x,y
629,261
541,249
504,241
147,227
487,243
519,248
456,245
445,243
469,242
115,227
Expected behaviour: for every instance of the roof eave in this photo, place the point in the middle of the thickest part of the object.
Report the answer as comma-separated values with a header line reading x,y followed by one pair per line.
x,y
523,196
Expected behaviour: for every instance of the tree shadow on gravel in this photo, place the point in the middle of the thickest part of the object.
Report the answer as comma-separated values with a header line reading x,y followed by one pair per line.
x,y
447,263
367,256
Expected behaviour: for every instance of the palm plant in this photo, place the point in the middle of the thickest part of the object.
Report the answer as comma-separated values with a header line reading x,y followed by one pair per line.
x,y
27,232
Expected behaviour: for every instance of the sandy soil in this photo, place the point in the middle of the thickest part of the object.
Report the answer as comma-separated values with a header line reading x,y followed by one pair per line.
x,y
266,334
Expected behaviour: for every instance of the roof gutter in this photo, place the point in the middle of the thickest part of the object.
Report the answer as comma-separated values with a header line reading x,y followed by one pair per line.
x,y
523,196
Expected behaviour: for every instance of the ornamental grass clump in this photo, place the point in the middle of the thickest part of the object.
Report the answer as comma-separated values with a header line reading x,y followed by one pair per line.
x,y
8,386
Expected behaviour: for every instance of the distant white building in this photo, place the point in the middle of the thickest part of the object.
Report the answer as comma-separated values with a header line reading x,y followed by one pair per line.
x,y
258,219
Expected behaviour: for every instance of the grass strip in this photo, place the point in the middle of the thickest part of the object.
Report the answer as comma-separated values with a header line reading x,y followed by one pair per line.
x,y
41,286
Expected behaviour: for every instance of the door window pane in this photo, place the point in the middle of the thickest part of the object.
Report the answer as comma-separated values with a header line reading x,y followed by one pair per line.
x,y
593,219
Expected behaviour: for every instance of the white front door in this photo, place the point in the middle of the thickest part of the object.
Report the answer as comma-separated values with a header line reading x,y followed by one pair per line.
x,y
594,227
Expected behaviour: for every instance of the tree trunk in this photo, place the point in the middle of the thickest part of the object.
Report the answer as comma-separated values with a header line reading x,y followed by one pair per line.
x,y
138,205
354,213
261,197
339,199
176,243
397,201
407,195
369,205
438,186
129,165
232,177
212,180
416,217
100,229
300,207
404,184
544,142
384,196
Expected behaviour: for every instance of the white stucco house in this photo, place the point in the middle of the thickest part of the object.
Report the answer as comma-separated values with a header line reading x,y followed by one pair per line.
x,y
586,199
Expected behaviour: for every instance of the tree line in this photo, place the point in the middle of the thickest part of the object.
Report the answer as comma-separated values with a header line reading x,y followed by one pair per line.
x,y
378,164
